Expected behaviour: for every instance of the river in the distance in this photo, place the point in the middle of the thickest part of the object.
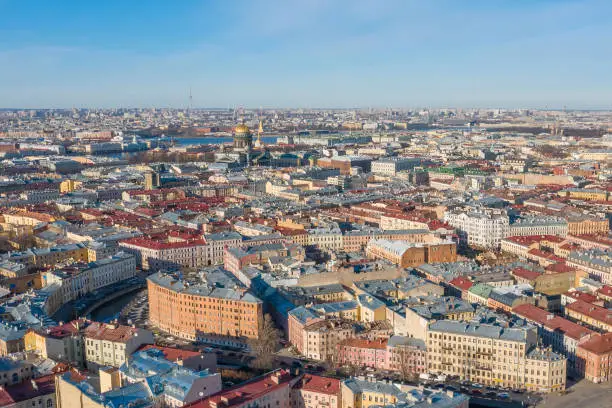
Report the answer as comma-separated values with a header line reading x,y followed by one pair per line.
x,y
192,141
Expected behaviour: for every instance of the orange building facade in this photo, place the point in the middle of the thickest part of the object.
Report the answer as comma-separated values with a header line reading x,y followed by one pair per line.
x,y
203,312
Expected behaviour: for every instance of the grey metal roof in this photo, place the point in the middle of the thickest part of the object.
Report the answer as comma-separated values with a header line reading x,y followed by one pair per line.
x,y
479,330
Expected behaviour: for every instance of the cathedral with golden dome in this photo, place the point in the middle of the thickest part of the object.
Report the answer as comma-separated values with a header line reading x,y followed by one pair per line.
x,y
243,138
250,153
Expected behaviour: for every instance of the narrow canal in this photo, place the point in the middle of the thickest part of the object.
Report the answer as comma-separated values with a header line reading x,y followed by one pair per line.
x,y
112,309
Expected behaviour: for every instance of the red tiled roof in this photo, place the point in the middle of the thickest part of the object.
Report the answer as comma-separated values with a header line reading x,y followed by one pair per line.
x,y
27,390
600,239
102,331
67,329
595,312
153,192
364,343
437,224
461,283
582,296
559,268
317,383
290,231
569,246
525,273
150,244
246,392
545,255
92,211
551,321
601,344
171,353
532,239
605,290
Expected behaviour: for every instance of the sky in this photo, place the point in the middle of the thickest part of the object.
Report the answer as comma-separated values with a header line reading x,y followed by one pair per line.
x,y
306,53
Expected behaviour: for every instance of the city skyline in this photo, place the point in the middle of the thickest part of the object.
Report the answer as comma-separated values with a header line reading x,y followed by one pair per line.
x,y
539,54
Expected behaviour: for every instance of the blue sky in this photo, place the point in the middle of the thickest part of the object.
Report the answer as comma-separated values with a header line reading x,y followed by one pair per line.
x,y
306,53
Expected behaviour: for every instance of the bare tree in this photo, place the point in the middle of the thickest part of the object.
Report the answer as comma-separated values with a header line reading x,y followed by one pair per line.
x,y
158,401
265,345
405,362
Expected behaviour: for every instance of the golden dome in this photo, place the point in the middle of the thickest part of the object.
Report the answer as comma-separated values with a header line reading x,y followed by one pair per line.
x,y
241,128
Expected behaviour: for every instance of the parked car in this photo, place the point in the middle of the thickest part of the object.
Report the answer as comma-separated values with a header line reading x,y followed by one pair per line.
x,y
503,395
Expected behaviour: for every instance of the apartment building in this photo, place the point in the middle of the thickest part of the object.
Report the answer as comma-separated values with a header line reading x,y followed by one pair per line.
x,y
14,371
410,317
24,217
401,221
484,227
60,343
592,315
400,288
363,353
302,295
212,306
38,392
321,338
478,293
584,225
594,358
180,385
75,280
406,254
314,391
588,194
540,225
596,262
407,356
178,250
112,344
326,238
357,240
358,393
297,319
272,389
42,257
493,355
522,245
39,196
11,339
239,257
564,336
390,166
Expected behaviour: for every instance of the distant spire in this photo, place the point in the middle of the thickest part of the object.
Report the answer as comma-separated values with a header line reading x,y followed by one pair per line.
x,y
259,132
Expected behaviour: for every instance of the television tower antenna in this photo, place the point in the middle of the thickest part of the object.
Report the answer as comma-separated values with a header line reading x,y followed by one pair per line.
x,y
190,100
